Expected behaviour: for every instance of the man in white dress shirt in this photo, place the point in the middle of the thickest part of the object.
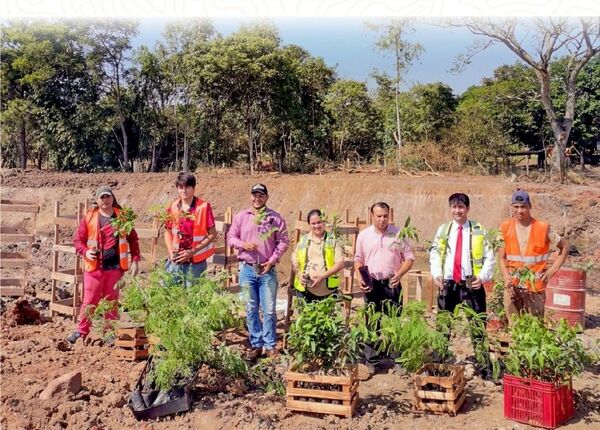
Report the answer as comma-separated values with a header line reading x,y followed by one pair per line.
x,y
461,260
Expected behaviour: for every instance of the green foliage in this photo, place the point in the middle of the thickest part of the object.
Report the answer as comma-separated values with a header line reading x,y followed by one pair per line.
x,y
124,222
545,351
264,223
320,339
408,232
522,277
474,323
165,217
493,239
105,328
186,320
496,303
408,334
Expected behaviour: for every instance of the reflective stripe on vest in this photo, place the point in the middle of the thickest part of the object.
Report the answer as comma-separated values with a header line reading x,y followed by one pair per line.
x,y
476,245
92,220
200,230
333,282
535,255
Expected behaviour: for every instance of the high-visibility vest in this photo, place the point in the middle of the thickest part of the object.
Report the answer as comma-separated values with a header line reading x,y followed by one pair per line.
x,y
92,221
476,241
333,282
536,253
200,229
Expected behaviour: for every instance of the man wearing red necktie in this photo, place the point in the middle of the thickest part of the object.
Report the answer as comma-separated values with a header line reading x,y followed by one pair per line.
x,y
460,259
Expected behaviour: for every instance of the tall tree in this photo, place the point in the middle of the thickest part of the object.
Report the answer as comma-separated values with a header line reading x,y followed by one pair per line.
x,y
536,43
394,40
110,42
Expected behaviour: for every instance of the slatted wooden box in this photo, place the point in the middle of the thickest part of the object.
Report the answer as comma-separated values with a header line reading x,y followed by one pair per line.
x,y
439,394
322,394
131,343
499,343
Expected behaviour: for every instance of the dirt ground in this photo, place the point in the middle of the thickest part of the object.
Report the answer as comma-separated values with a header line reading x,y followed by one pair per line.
x,y
29,356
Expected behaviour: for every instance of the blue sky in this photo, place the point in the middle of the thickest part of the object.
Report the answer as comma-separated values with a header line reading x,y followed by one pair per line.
x,y
347,44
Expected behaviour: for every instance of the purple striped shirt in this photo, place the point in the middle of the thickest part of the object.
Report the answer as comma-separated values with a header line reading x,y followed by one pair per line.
x,y
244,229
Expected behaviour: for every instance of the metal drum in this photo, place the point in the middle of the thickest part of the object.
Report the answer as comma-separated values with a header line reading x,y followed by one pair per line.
x,y
565,296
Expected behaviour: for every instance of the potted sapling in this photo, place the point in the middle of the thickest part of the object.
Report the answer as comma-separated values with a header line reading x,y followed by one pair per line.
x,y
324,350
541,361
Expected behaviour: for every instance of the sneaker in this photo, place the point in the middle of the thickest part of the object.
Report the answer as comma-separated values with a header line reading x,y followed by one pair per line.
x,y
72,338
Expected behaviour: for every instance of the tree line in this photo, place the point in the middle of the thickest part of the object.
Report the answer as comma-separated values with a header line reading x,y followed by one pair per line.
x,y
76,96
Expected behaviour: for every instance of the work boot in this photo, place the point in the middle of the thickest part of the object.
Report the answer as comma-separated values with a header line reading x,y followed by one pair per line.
x,y
72,338
253,354
272,353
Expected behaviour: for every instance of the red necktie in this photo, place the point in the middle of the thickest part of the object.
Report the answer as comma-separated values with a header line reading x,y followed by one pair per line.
x,y
456,271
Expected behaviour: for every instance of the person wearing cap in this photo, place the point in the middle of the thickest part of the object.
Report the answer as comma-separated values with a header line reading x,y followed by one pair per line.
x,y
190,231
317,261
527,244
260,236
105,257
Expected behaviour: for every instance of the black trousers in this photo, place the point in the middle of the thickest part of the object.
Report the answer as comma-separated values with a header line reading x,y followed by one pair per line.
x,y
455,293
381,293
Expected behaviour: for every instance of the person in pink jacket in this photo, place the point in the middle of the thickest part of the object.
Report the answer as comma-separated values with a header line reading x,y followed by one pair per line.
x,y
106,257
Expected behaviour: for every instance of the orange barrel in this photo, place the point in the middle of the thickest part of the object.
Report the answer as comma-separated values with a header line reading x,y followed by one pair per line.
x,y
565,296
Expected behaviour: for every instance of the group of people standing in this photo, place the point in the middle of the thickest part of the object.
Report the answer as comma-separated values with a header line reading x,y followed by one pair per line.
x,y
461,257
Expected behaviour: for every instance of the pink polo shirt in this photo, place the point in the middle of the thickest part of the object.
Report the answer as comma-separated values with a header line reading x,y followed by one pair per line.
x,y
383,254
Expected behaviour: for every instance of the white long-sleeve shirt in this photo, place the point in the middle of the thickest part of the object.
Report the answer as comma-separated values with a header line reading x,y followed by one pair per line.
x,y
435,259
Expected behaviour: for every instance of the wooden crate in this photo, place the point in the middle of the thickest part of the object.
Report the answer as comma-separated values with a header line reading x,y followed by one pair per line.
x,y
303,394
439,394
131,343
499,343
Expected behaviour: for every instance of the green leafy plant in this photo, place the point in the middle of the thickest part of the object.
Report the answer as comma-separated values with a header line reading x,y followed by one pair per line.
x,y
408,334
545,350
124,222
522,276
165,217
186,321
466,319
264,223
104,328
408,232
496,303
319,338
493,238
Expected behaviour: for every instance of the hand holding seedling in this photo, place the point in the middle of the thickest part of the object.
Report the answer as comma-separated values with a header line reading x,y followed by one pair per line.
x,y
476,283
92,254
439,282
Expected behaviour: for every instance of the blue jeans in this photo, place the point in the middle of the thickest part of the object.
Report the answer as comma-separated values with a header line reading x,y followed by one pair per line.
x,y
260,290
186,272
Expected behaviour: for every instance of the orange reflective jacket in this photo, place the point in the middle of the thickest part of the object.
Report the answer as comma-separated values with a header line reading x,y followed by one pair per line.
x,y
200,229
92,221
536,253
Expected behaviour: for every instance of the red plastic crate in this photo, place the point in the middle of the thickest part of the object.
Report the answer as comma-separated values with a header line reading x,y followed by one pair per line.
x,y
537,403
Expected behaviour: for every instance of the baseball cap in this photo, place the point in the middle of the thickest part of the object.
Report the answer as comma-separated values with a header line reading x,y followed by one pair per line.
x,y
520,197
259,188
103,190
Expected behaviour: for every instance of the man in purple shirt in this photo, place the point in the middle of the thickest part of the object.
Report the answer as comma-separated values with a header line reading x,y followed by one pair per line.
x,y
387,259
260,236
